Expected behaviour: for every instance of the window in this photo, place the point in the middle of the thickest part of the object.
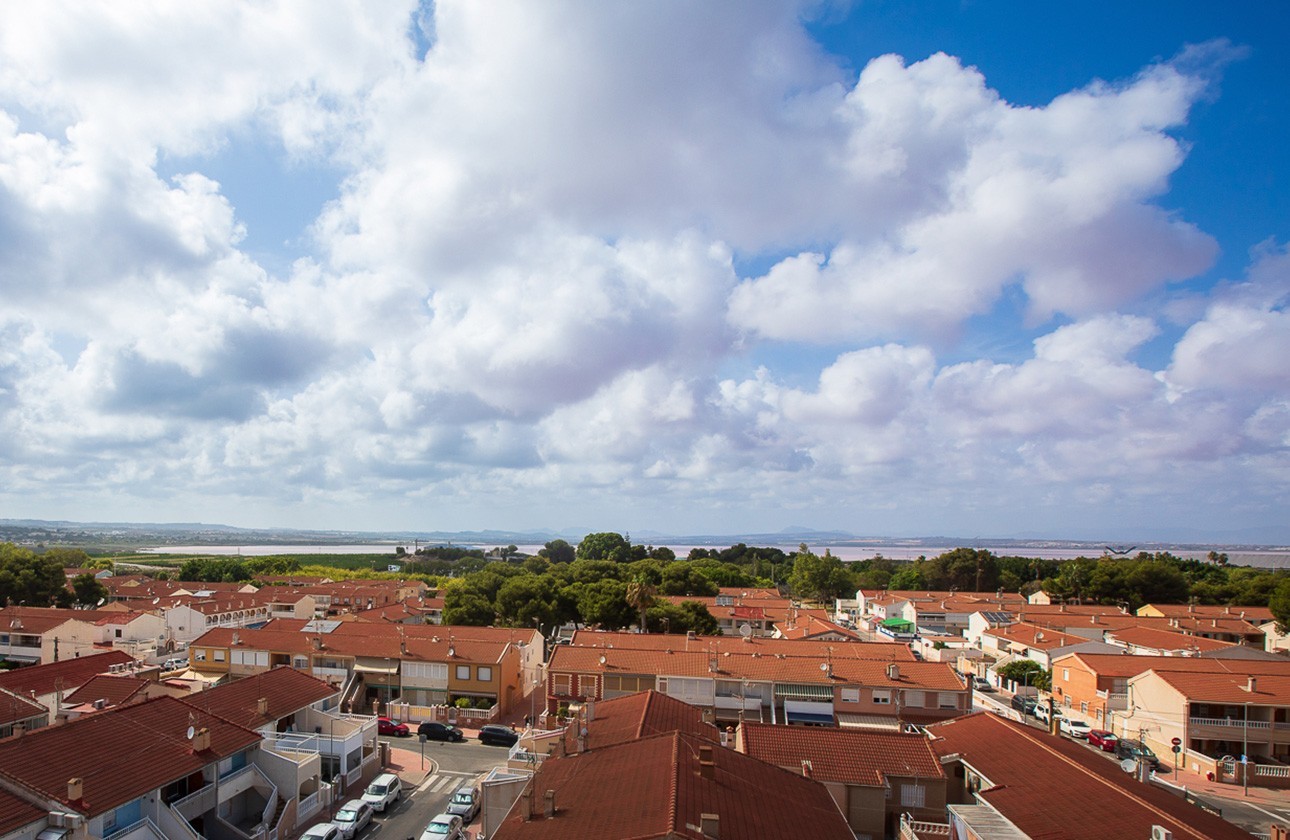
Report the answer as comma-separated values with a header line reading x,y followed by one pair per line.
x,y
484,673
1066,675
882,697
912,796
948,700
561,685
850,695
463,672
913,699
200,656
118,632
219,656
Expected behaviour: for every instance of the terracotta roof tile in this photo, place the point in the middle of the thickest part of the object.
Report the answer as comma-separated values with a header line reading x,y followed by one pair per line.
x,y
1269,690
109,687
285,689
640,715
14,708
882,651
1162,639
653,788
1042,782
850,756
67,674
1116,665
15,813
120,754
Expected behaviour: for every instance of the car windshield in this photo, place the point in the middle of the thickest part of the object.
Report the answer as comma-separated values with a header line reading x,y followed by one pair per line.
x,y
437,828
346,815
464,798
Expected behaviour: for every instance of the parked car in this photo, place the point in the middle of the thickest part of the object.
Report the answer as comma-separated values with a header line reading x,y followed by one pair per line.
x,y
465,802
383,791
982,685
492,733
1075,728
435,731
325,831
1128,748
1041,712
1103,739
1023,704
352,818
174,664
385,726
444,827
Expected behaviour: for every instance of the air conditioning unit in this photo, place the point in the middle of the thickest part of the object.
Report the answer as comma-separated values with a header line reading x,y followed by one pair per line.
x,y
1159,832
57,819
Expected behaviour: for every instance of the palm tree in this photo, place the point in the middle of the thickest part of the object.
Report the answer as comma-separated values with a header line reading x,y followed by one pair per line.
x,y
640,596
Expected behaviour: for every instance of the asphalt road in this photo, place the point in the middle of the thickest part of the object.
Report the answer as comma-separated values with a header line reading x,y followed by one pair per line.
x,y
458,763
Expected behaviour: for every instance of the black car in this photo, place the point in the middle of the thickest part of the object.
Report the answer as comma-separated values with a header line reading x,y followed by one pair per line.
x,y
435,731
503,736
1128,748
1023,704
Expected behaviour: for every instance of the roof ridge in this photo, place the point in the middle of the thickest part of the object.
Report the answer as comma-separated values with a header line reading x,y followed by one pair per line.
x,y
674,791
1034,738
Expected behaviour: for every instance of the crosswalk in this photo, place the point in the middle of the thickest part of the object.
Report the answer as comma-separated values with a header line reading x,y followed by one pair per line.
x,y
443,781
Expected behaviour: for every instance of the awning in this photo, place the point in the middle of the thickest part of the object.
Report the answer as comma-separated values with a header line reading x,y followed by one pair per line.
x,y
18,657
883,722
372,665
809,717
804,692
52,834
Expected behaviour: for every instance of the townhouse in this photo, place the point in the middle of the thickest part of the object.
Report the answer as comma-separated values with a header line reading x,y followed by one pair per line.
x,y
157,770
993,764
141,634
107,691
832,687
49,684
1040,645
20,714
23,631
404,668
754,612
1152,641
874,777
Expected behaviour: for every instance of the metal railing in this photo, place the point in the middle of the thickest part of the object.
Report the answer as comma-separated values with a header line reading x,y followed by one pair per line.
x,y
1238,723
144,823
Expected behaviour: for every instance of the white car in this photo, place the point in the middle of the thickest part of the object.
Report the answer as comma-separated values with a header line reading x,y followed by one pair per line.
x,y
444,827
326,831
383,791
352,818
1041,712
1075,728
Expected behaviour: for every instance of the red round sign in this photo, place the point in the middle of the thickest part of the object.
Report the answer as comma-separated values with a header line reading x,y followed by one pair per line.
x,y
1176,741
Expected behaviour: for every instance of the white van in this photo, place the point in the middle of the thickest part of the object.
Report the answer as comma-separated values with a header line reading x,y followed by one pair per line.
x,y
383,790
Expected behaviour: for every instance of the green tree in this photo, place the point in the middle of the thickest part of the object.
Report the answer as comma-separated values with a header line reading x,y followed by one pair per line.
x,y
524,600
466,605
558,551
1028,672
30,580
682,578
605,545
818,578
1279,604
603,604
88,591
907,579
964,569
687,616
641,596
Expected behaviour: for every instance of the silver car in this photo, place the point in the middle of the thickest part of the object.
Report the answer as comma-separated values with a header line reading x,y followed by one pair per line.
x,y
444,827
352,818
465,802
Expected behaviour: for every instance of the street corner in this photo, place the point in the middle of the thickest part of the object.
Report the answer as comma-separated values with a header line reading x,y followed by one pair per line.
x,y
410,766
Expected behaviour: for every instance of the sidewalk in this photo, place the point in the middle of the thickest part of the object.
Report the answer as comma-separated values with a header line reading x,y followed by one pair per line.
x,y
409,766
1203,787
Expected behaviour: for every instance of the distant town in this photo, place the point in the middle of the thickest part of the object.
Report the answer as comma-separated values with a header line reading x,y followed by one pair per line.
x,y
603,687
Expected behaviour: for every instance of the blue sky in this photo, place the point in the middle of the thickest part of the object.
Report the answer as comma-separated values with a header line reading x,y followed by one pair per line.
x,y
895,268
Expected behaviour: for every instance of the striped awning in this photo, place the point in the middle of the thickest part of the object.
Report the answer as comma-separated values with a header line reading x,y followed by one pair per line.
x,y
788,691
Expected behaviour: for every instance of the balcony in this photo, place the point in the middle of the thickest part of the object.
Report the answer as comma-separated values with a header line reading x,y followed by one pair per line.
x,y
1230,723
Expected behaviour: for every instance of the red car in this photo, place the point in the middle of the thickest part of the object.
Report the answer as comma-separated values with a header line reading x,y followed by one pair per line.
x,y
1103,739
385,726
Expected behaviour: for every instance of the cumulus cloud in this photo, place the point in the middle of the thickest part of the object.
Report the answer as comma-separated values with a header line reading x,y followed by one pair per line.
x,y
527,290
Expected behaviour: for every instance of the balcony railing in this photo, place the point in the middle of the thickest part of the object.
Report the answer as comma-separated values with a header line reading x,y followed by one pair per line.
x,y
144,828
1237,723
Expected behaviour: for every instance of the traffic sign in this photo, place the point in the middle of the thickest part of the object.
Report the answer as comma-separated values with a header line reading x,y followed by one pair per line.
x,y
1176,741
1177,748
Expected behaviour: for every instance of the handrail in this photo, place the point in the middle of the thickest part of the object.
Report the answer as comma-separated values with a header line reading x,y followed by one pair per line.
x,y
134,826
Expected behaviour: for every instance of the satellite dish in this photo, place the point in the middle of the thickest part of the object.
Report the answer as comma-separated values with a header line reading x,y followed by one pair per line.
x,y
191,733
824,666
155,600
602,659
745,630
1128,765
101,602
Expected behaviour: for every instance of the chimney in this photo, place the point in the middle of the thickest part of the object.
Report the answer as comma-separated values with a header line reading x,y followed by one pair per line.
x,y
707,766
710,826
548,805
317,642
1251,684
75,789
526,805
808,770
262,707
590,708
202,740
893,671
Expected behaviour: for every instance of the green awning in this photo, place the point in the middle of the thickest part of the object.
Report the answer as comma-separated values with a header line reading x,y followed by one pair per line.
x,y
786,691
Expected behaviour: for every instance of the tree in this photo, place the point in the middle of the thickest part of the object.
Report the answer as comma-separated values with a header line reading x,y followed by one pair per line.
x,y
88,591
605,545
1027,671
907,579
681,578
818,578
558,551
525,599
603,604
31,580
666,617
1279,604
640,596
466,605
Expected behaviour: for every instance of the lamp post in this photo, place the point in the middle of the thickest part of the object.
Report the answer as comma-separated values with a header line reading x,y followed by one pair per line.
x,y
1245,751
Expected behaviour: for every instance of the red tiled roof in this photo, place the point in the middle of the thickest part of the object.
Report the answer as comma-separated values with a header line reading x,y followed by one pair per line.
x,y
286,690
883,651
14,708
37,621
377,640
653,788
1117,665
1269,690
15,813
1161,639
1030,635
1046,785
851,756
933,676
67,674
109,687
812,626
1211,611
120,754
640,715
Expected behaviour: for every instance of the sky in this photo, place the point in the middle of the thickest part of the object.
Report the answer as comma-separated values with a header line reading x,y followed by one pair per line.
x,y
891,268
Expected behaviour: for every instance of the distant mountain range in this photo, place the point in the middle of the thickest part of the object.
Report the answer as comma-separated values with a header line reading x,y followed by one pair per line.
x,y
32,531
